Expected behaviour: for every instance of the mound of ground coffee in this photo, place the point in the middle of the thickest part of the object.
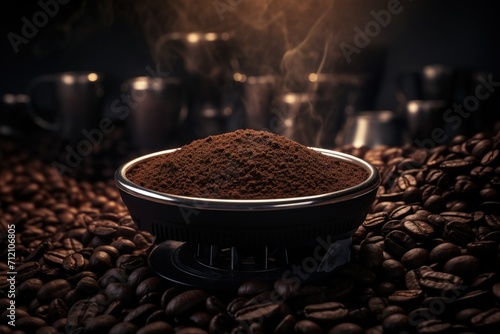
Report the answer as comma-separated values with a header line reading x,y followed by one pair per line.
x,y
246,164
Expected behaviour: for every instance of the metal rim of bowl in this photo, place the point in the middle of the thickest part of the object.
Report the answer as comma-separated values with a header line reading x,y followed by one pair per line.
x,y
371,182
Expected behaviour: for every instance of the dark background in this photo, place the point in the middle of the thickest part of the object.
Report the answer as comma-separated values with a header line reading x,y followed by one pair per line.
x,y
110,37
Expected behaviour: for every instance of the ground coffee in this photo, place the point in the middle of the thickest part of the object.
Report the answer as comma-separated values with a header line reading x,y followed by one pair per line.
x,y
246,164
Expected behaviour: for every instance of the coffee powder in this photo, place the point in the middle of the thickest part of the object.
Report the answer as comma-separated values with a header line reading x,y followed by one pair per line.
x,y
246,164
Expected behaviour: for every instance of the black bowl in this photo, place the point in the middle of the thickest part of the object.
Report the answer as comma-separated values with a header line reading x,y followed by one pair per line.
x,y
287,222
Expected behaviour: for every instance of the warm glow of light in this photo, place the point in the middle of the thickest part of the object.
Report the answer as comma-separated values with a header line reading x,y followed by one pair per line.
x,y
430,72
361,132
211,36
92,77
140,84
9,98
412,107
68,79
239,77
313,77
193,37
288,123
290,98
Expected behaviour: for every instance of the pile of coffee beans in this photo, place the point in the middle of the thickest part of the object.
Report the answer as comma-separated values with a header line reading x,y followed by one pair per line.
x,y
425,260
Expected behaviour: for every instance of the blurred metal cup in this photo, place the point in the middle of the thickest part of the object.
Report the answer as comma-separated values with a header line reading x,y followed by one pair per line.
x,y
75,104
432,82
257,97
156,106
371,129
423,117
295,117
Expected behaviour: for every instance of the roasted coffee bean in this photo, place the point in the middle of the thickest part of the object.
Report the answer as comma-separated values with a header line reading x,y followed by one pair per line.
x,y
412,195
39,251
483,249
407,299
459,233
100,324
129,262
346,327
457,166
138,315
160,327
437,178
377,305
479,298
428,190
29,324
191,330
437,282
124,246
396,323
47,330
492,221
111,276
483,281
374,222
458,217
268,314
100,262
103,228
112,251
185,301
464,316
28,289
158,315
119,291
405,181
371,256
253,288
128,328
433,326
496,290
57,309
53,289
390,310
169,294
419,229
214,305
435,204
401,212
444,252
221,323
415,258
398,243
392,270
376,240
55,257
326,313
463,266
200,319
286,325
149,285
139,275
87,287
390,226
80,313
72,244
74,263
487,320
490,158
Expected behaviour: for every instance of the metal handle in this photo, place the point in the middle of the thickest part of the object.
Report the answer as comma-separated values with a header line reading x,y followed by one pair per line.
x,y
33,108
